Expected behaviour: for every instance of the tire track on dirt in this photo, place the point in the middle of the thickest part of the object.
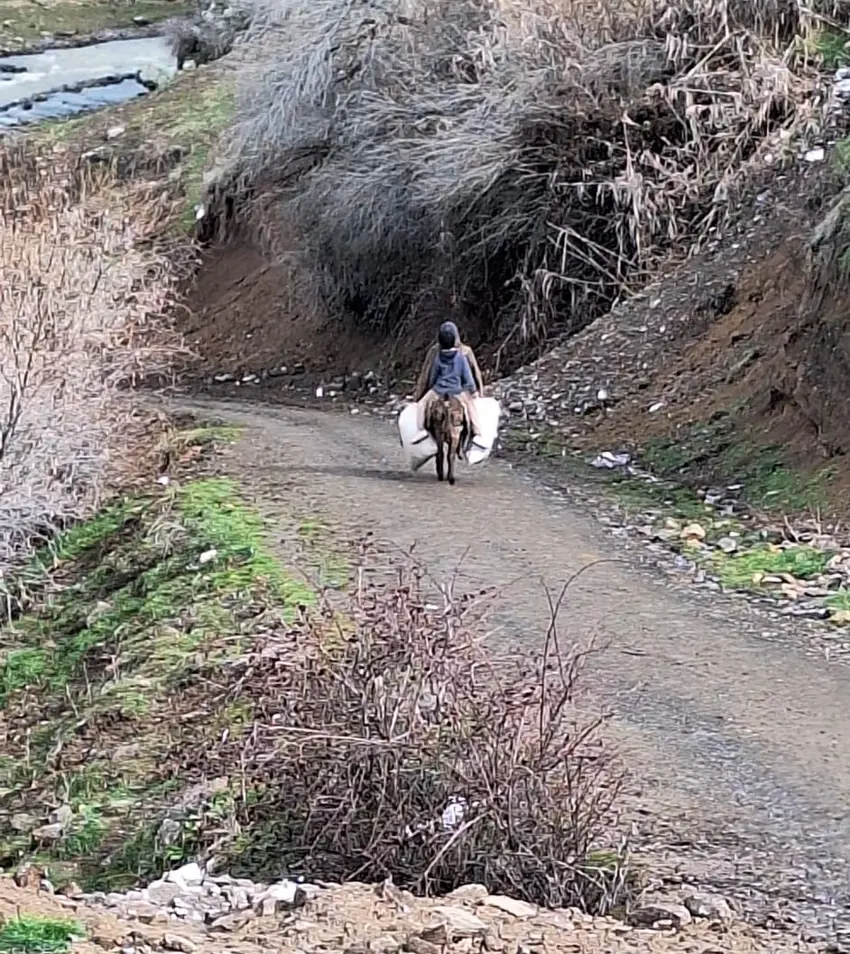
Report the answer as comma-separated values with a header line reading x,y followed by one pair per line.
x,y
742,748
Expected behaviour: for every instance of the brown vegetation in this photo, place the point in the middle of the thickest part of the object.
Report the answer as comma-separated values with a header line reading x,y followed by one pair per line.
x,y
81,300
515,166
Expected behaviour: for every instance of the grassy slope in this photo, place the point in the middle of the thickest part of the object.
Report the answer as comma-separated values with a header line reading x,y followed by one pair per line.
x,y
187,117
670,504
23,23
111,682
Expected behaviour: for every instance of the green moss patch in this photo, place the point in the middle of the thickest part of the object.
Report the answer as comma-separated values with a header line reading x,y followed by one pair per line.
x,y
114,681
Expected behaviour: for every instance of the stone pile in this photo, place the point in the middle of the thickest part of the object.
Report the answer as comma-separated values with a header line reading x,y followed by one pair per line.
x,y
191,895
189,910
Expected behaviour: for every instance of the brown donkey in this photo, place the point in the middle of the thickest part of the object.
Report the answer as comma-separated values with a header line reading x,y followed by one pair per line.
x,y
445,421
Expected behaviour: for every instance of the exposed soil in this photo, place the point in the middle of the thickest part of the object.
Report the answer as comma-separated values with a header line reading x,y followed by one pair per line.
x,y
739,336
250,312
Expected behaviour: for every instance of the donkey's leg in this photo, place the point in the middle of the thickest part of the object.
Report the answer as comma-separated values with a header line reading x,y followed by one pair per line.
x,y
452,454
440,460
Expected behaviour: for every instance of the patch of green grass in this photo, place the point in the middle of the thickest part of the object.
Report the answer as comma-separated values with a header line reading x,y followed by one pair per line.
x,y
744,570
332,567
715,453
829,46
25,23
771,485
143,600
189,114
634,495
236,532
840,156
28,934
207,434
96,532
21,668
85,834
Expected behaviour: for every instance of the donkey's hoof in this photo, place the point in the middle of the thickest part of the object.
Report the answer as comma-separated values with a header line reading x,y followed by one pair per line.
x,y
451,481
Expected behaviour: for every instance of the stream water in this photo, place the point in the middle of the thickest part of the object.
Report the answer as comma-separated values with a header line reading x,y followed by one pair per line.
x,y
60,83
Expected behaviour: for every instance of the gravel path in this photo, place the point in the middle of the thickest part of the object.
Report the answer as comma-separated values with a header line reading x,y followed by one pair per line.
x,y
741,748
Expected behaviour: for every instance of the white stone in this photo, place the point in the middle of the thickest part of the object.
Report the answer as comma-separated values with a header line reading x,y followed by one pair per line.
x,y
462,923
190,874
162,893
711,906
469,892
174,942
512,906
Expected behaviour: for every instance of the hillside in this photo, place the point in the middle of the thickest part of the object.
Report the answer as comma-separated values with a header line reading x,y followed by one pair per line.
x,y
261,647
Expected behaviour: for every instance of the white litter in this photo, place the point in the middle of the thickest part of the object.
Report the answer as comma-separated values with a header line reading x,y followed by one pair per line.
x,y
609,461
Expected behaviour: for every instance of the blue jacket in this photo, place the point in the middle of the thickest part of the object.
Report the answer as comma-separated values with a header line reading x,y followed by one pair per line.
x,y
451,374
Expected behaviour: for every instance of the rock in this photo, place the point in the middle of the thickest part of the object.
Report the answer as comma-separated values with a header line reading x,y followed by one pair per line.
x,y
142,911
266,907
162,893
114,132
517,909
287,894
727,544
418,945
21,822
175,942
62,816
231,922
190,874
437,935
141,21
238,898
126,752
701,904
52,832
650,914
169,831
693,531
461,923
385,944
469,892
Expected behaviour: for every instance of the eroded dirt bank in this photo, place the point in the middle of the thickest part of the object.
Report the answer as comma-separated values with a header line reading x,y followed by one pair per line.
x,y
740,746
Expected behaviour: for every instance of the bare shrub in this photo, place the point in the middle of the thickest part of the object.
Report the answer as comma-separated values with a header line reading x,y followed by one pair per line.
x,y
399,749
79,298
521,162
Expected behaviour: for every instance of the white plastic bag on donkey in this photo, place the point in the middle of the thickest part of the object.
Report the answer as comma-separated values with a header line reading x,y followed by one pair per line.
x,y
419,447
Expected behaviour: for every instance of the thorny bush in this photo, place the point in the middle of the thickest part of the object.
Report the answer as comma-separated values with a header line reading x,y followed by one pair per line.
x,y
398,749
515,164
80,300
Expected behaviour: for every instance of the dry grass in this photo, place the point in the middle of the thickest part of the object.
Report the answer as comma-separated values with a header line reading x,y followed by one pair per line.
x,y
81,292
515,164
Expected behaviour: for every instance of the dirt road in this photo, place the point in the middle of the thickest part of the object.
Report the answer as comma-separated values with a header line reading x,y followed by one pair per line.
x,y
741,747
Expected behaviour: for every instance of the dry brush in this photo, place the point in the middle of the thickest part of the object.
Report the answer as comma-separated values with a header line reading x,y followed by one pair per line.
x,y
394,747
517,163
82,288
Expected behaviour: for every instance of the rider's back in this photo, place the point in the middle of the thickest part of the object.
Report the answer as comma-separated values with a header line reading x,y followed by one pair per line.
x,y
450,373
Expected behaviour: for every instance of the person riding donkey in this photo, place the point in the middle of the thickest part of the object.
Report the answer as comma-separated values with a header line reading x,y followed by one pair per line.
x,y
448,371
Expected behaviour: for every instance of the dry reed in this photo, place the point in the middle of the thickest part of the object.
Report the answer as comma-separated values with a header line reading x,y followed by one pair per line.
x,y
81,294
517,164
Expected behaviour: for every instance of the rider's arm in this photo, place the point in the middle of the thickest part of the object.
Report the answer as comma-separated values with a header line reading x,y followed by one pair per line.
x,y
423,384
473,367
467,381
